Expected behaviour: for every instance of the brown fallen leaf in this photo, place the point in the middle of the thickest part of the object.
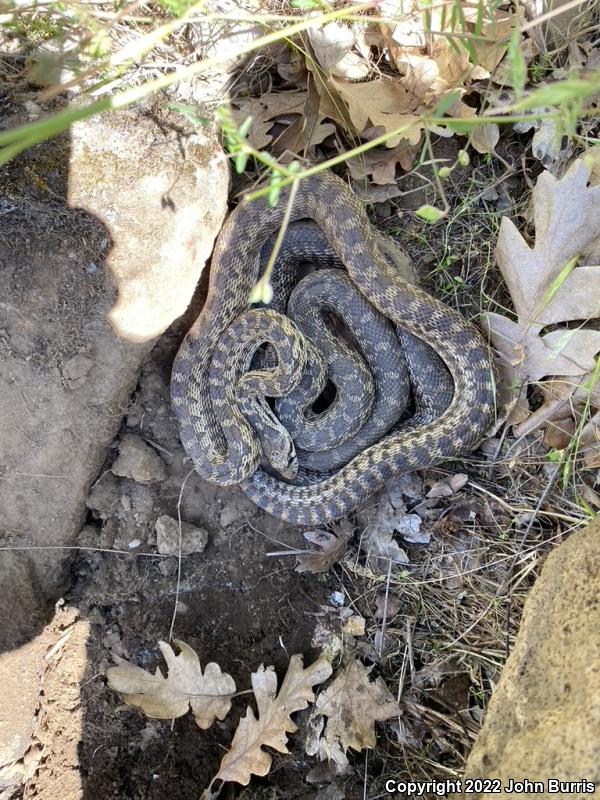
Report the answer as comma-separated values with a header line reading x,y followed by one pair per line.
x,y
388,604
246,756
333,546
333,48
484,138
208,694
352,705
563,396
448,486
431,64
307,130
264,111
590,495
378,542
545,285
383,103
381,163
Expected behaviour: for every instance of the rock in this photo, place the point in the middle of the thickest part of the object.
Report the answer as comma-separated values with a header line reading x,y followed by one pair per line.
x,y
19,678
22,675
543,719
193,539
137,460
105,493
168,202
140,198
19,589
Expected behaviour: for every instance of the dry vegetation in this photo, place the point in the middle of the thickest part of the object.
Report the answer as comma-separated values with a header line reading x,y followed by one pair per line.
x,y
444,117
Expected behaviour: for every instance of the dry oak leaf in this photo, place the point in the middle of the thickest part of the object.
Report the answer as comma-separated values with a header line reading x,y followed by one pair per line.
x,y
333,47
246,756
384,104
448,486
264,111
307,130
545,286
432,64
333,546
484,137
208,694
352,705
381,163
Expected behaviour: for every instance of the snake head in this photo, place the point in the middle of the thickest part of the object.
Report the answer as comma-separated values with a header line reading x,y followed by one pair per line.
x,y
280,453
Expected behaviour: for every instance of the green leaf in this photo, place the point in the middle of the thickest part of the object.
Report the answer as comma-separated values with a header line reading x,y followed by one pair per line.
x,y
560,93
460,125
274,190
244,128
240,162
430,213
445,102
444,172
463,158
517,62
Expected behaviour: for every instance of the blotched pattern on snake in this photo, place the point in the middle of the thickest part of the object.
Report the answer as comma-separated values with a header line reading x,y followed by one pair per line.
x,y
213,367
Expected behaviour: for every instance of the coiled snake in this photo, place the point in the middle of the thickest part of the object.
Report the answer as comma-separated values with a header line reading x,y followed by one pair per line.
x,y
224,445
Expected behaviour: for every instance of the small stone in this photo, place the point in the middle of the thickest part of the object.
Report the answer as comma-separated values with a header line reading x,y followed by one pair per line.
x,y
168,566
337,599
103,495
355,626
33,110
193,539
137,460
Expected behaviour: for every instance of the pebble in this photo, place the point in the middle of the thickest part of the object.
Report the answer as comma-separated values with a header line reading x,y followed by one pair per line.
x,y
137,460
193,539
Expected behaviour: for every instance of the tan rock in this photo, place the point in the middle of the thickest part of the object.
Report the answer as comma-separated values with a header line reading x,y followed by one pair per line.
x,y
169,540
138,461
543,721
162,194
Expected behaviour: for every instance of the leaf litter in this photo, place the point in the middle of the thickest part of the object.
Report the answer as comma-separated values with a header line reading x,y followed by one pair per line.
x,y
382,74
556,301
207,693
348,708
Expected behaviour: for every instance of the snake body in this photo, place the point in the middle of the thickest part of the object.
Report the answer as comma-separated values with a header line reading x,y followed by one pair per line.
x,y
223,447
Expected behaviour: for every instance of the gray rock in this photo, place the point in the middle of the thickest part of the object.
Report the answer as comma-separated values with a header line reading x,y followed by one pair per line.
x,y
104,495
137,460
193,539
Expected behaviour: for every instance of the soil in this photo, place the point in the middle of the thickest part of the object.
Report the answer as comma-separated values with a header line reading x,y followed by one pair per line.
x,y
235,606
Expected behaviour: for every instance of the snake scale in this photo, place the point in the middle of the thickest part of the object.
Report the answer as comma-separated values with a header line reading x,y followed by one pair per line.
x,y
215,434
